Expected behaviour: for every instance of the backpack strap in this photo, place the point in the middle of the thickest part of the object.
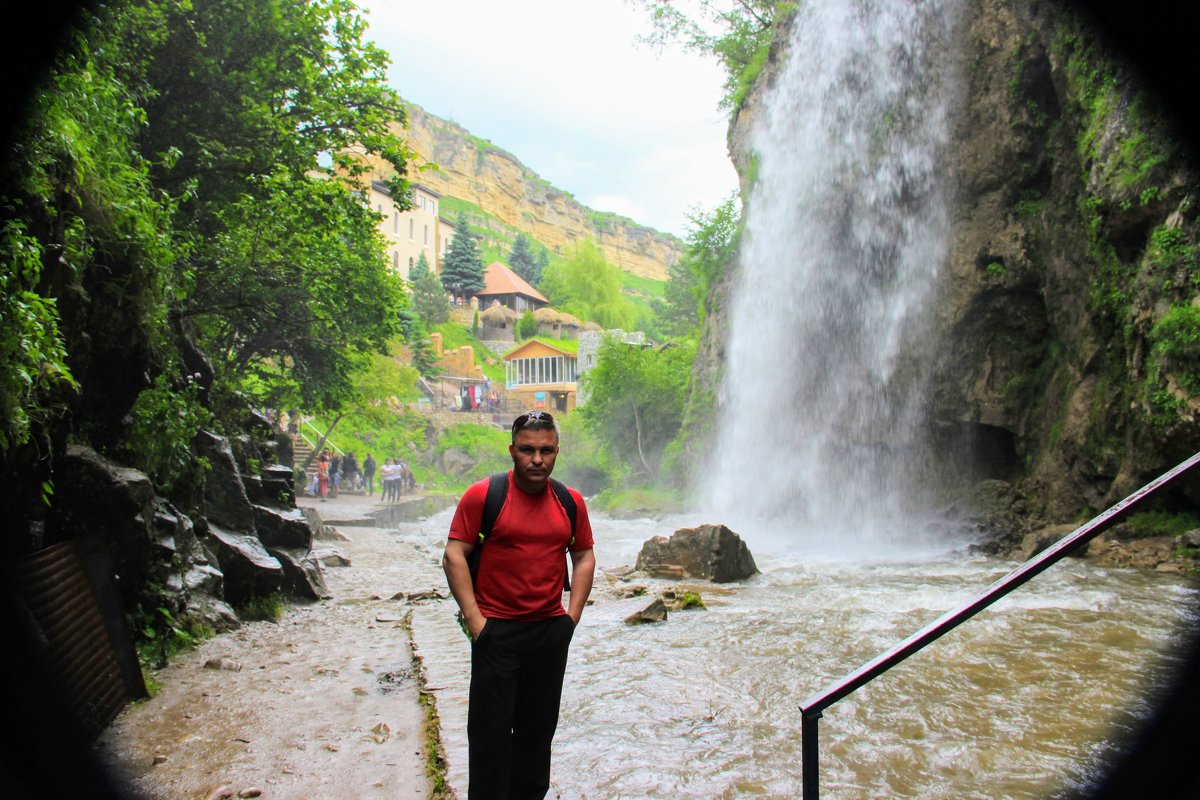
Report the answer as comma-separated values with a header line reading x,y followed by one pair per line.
x,y
497,493
568,502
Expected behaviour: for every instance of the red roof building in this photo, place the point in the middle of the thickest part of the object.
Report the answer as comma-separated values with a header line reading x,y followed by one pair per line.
x,y
502,284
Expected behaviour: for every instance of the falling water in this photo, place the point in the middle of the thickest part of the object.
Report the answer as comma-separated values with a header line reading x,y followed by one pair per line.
x,y
847,225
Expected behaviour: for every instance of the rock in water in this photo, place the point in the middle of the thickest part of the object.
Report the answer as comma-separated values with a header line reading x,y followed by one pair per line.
x,y
708,551
655,612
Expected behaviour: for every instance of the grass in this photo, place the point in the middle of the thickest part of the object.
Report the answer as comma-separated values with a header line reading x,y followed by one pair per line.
x,y
265,609
1161,523
637,284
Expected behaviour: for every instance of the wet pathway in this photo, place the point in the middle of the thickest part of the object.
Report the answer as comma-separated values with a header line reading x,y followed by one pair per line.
x,y
321,704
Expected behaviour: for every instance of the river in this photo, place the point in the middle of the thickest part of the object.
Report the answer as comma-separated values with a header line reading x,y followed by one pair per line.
x,y
1018,703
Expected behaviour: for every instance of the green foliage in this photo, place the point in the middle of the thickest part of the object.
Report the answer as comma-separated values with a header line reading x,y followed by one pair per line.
x,y
588,287
420,269
295,288
526,327
711,244
163,637
262,609
163,423
526,260
32,353
1176,339
737,32
429,299
485,445
1173,251
1160,523
635,402
462,268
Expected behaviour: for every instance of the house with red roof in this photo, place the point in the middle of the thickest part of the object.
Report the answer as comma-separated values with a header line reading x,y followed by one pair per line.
x,y
508,288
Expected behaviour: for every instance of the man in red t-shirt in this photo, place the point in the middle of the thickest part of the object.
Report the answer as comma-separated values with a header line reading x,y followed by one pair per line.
x,y
519,631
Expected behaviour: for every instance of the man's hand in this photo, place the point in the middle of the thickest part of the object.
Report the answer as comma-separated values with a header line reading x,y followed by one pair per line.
x,y
458,576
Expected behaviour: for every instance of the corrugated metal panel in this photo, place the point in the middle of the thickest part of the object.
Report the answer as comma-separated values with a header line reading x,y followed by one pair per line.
x,y
69,591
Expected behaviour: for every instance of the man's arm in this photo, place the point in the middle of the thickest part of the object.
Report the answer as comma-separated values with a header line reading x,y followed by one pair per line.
x,y
458,576
583,570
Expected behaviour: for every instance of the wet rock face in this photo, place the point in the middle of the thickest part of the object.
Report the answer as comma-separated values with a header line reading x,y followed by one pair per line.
x,y
225,499
712,552
250,571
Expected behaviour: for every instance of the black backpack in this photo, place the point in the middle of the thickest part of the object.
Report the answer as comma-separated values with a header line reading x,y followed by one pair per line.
x,y
497,493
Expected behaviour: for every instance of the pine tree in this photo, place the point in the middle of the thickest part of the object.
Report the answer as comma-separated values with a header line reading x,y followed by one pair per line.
x,y
462,269
527,260
419,269
429,299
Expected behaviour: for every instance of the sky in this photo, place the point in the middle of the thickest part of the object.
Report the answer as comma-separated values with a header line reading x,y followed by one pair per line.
x,y
565,86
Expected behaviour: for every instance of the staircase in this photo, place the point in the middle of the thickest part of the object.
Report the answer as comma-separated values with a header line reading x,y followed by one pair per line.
x,y
300,452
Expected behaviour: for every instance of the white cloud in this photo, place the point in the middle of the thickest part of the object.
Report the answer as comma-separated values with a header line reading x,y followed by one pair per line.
x,y
564,86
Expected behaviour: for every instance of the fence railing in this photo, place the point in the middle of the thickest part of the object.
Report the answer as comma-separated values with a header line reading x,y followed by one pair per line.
x,y
812,708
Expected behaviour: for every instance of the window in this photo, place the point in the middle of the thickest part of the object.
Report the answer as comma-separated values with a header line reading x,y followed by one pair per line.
x,y
395,260
433,208
395,222
412,230
420,201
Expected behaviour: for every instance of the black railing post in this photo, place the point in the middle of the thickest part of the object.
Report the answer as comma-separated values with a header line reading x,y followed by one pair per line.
x,y
810,755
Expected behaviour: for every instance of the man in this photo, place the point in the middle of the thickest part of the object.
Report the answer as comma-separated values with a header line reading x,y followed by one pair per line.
x,y
369,474
514,615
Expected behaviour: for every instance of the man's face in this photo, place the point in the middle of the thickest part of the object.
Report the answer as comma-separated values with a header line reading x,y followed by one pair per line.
x,y
533,454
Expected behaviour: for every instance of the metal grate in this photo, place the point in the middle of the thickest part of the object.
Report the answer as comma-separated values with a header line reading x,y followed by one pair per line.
x,y
70,594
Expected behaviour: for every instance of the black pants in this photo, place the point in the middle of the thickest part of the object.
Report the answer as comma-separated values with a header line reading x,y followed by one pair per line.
x,y
516,685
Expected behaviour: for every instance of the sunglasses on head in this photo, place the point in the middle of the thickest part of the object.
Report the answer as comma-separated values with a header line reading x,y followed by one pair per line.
x,y
531,416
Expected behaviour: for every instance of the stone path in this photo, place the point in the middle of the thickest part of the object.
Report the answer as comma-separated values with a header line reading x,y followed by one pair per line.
x,y
323,703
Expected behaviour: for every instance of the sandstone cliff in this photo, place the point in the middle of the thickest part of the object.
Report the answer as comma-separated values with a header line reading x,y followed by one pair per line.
x,y
1065,362
471,169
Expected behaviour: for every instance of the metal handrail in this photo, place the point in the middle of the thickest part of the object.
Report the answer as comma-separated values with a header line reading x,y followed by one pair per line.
x,y
328,441
811,708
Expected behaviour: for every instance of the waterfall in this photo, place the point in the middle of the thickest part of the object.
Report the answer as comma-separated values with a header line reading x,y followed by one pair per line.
x,y
821,427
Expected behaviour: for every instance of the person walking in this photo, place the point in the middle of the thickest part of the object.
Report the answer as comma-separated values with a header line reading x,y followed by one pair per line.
x,y
323,475
368,471
512,606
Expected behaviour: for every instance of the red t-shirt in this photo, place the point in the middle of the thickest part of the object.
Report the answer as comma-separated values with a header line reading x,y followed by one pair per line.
x,y
521,568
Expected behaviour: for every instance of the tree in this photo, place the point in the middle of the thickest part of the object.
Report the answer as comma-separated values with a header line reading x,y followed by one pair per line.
x,y
257,118
635,401
419,269
417,340
526,327
587,286
429,299
737,32
526,261
462,268
711,245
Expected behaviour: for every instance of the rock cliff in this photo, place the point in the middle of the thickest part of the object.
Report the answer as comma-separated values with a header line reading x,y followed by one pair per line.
x,y
1065,362
469,168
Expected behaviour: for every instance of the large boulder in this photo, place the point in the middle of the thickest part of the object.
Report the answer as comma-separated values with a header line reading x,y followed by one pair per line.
x,y
280,528
1037,541
276,486
250,571
225,499
302,575
708,551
